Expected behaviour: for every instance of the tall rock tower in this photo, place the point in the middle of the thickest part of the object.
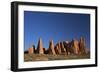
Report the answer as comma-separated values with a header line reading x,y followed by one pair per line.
x,y
40,47
82,45
75,46
59,47
51,48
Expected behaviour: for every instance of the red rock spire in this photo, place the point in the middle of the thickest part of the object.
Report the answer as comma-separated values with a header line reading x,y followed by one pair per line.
x,y
40,47
51,48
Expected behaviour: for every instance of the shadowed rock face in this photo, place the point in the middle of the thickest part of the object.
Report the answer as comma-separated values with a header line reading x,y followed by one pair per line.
x,y
82,45
51,48
75,46
63,50
45,51
56,49
67,46
40,47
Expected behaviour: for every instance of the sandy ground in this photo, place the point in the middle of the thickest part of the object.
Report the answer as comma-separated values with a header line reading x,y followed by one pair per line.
x,y
47,57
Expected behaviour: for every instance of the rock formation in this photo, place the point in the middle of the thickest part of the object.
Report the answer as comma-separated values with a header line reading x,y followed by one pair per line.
x,y
31,50
45,51
82,45
56,49
65,47
75,49
63,50
51,48
75,46
40,47
59,48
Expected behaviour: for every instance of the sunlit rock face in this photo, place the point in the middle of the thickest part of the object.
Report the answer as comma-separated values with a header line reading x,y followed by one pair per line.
x,y
40,47
75,46
59,47
82,45
51,48
31,50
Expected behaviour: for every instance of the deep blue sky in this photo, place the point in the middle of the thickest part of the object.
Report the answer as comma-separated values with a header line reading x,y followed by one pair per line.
x,y
56,26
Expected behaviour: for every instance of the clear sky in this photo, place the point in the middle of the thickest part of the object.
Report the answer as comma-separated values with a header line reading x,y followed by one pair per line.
x,y
56,26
